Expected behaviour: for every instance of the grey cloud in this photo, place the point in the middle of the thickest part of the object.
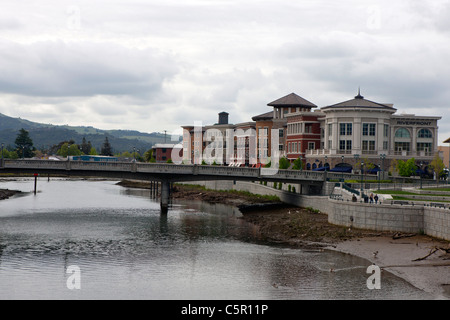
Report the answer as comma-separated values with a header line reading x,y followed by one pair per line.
x,y
82,69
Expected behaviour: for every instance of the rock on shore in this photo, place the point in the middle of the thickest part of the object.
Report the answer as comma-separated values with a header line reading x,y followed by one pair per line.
x,y
5,193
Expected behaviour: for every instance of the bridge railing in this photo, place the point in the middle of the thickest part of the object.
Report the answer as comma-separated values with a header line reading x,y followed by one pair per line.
x,y
162,168
34,164
100,166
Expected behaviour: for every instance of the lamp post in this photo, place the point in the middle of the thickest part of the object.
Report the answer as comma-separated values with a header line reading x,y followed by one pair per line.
x,y
342,164
382,157
356,156
2,153
362,177
23,152
420,172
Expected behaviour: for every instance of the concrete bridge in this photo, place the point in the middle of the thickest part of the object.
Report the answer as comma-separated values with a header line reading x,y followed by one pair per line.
x,y
311,181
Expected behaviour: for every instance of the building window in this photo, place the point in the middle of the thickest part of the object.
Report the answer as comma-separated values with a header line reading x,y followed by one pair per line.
x,y
345,145
330,130
342,145
311,145
424,147
402,146
368,145
299,147
308,128
386,131
424,133
330,144
385,145
281,133
280,147
402,133
345,129
369,129
342,129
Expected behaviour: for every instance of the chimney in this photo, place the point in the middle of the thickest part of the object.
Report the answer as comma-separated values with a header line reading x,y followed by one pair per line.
x,y
223,118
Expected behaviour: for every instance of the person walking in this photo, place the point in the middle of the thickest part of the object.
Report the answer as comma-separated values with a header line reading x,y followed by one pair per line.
x,y
376,198
371,198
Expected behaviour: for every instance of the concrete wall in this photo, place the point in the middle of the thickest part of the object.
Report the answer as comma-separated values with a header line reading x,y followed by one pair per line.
x,y
378,217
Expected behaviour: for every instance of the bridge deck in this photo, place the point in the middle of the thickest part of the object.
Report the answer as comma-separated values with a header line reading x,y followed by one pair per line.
x,y
172,172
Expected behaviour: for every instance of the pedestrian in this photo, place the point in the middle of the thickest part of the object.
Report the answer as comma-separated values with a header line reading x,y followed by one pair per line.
x,y
371,198
376,198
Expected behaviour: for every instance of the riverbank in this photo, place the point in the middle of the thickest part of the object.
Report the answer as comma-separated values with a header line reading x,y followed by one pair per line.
x,y
5,193
302,227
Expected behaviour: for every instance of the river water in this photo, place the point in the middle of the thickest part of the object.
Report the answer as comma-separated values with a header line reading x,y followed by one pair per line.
x,y
122,248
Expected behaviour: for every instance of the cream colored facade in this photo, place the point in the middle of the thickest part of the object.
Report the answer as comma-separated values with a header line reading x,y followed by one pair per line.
x,y
363,129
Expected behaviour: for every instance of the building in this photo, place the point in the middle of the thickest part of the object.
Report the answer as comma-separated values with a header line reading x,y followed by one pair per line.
x,y
362,130
338,137
291,116
220,143
162,152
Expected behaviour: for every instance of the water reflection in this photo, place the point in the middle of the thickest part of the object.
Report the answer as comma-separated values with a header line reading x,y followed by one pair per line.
x,y
127,250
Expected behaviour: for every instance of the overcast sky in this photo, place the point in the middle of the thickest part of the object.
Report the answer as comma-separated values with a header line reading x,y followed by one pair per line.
x,y
158,64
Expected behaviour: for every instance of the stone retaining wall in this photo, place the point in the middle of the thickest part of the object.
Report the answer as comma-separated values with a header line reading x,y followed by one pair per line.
x,y
378,217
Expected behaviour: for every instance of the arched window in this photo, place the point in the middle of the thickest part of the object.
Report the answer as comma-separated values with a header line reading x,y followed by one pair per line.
x,y
314,166
424,133
402,133
308,166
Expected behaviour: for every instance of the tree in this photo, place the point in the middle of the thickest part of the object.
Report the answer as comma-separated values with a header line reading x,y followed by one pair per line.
x,y
24,144
148,156
298,164
284,163
69,150
106,148
408,168
393,169
85,147
93,152
438,166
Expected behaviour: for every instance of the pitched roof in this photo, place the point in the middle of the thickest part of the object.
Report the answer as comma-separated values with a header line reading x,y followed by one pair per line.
x,y
291,100
360,102
447,141
264,116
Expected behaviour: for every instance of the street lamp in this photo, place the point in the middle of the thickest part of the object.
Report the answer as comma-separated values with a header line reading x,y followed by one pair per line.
x,y
2,153
362,172
356,156
382,157
421,164
342,168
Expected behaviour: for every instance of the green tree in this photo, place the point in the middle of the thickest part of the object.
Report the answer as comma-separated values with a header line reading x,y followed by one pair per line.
x,y
148,156
106,148
85,147
24,144
438,166
298,164
69,150
93,152
284,163
407,168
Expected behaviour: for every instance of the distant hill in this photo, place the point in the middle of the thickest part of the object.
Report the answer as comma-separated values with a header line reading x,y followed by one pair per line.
x,y
47,135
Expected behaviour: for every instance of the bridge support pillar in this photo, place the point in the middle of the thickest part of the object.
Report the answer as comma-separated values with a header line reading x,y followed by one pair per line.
x,y
165,196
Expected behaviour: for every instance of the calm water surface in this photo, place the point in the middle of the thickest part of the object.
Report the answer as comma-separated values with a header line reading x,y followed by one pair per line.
x,y
125,249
